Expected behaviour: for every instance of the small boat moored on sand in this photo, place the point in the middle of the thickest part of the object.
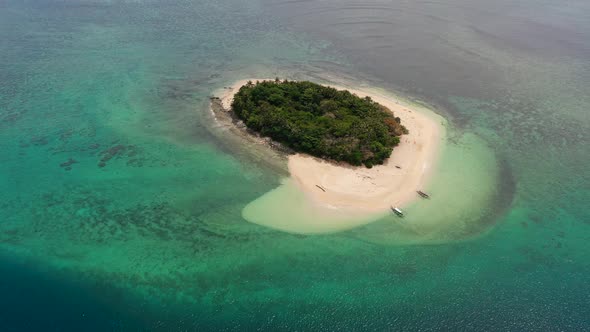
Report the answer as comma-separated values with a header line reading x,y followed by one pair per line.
x,y
423,194
397,211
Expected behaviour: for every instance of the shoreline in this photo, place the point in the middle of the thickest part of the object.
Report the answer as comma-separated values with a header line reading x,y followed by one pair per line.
x,y
357,189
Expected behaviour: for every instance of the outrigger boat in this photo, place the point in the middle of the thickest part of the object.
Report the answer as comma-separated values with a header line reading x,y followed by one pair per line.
x,y
397,211
423,194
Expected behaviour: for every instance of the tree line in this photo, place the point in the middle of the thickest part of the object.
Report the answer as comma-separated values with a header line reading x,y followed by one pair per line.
x,y
319,120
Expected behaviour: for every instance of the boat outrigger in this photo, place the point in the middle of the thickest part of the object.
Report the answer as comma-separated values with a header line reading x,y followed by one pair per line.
x,y
423,194
397,211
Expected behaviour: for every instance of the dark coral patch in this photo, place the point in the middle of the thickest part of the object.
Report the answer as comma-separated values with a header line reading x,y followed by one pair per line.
x,y
67,165
12,117
111,153
120,151
39,140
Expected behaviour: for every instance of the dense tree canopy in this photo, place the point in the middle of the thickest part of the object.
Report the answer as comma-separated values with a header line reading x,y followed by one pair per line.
x,y
319,120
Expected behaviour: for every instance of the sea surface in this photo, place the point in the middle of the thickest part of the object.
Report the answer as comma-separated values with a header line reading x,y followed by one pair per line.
x,y
121,201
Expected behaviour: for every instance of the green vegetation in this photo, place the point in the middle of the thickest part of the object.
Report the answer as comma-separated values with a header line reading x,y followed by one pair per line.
x,y
319,120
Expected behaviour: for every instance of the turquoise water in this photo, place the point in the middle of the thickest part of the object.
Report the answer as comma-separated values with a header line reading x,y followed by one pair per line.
x,y
121,207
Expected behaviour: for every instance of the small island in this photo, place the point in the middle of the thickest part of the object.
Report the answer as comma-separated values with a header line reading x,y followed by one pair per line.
x,y
328,137
320,121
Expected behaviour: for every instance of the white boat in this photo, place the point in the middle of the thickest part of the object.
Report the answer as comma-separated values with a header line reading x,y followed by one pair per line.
x,y
397,211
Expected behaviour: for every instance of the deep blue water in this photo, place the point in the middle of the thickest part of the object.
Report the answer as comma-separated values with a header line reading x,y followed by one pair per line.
x,y
34,300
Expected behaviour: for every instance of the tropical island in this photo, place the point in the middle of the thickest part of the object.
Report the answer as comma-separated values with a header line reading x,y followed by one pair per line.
x,y
320,121
319,132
